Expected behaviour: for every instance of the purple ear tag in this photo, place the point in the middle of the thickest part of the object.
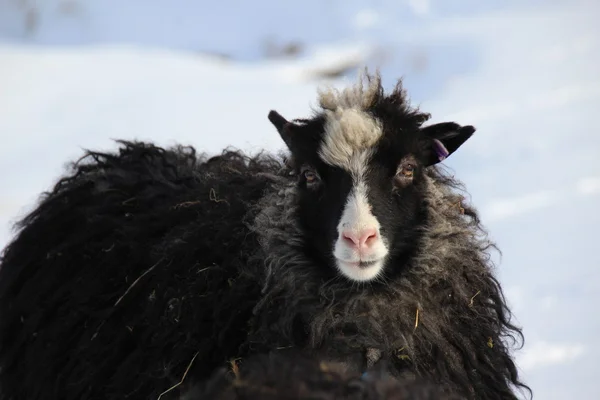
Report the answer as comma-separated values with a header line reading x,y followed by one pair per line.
x,y
440,150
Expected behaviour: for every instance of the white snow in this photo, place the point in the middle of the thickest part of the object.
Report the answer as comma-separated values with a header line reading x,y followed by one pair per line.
x,y
526,75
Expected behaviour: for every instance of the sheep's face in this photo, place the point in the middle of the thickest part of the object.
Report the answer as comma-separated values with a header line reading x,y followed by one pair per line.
x,y
361,180
361,212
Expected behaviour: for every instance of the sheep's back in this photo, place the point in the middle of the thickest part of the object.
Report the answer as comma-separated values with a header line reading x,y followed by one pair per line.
x,y
125,270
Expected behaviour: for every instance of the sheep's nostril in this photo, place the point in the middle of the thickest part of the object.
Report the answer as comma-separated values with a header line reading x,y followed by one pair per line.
x,y
369,237
350,238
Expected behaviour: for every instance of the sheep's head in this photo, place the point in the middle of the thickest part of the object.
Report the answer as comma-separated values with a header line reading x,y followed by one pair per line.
x,y
360,162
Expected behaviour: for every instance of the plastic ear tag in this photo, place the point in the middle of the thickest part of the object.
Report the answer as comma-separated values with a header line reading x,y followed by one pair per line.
x,y
440,150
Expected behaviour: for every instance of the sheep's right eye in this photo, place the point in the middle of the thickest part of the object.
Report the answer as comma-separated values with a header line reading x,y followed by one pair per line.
x,y
310,176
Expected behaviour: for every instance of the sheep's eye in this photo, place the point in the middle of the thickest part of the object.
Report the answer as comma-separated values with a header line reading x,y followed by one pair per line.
x,y
310,177
405,174
407,170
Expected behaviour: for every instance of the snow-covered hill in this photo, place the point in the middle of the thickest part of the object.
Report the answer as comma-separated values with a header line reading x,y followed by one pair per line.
x,y
526,75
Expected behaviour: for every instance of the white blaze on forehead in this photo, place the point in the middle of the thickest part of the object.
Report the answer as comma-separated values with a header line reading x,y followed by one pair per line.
x,y
349,138
350,131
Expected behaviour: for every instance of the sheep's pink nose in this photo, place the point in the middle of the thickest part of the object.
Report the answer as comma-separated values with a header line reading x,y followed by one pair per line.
x,y
361,238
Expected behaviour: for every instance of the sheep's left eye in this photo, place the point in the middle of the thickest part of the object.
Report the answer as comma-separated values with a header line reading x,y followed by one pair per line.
x,y
408,170
404,175
310,176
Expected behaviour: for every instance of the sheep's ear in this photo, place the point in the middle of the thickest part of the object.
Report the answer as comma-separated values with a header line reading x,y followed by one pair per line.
x,y
283,126
444,139
301,138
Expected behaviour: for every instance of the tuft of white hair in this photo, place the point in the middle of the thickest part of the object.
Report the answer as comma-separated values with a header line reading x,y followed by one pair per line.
x,y
360,96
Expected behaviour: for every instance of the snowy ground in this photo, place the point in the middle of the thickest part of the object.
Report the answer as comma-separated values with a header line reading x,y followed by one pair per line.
x,y
527,76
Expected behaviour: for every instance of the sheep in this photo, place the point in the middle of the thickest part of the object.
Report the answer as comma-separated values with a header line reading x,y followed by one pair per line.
x,y
297,376
354,245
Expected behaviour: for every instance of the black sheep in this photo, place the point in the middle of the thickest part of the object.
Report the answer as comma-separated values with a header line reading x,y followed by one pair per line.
x,y
355,247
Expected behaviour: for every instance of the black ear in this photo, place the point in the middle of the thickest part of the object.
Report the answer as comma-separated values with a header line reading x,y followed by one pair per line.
x,y
444,139
282,125
298,137
301,136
